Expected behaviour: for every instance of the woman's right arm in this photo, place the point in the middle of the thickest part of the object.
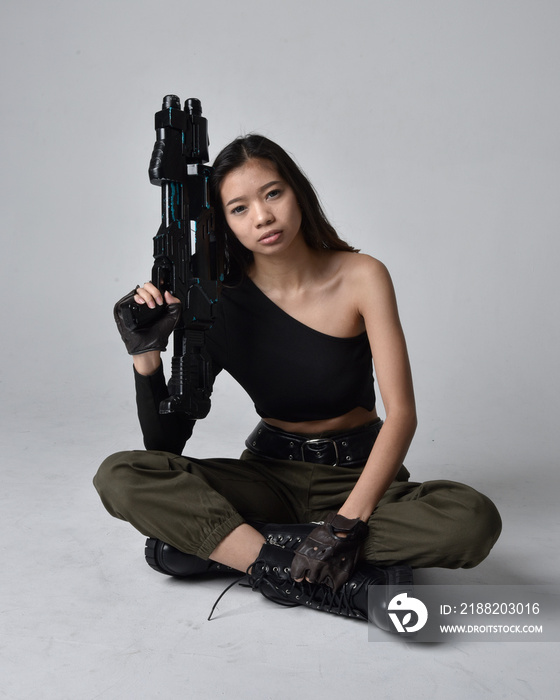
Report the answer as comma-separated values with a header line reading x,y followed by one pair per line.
x,y
166,432
147,363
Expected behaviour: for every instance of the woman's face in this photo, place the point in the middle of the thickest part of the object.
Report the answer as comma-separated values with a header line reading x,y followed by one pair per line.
x,y
260,207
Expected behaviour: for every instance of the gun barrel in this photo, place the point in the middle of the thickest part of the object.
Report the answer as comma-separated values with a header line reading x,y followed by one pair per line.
x,y
193,106
170,101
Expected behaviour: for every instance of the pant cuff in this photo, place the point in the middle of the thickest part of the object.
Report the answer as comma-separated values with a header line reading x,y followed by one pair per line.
x,y
213,540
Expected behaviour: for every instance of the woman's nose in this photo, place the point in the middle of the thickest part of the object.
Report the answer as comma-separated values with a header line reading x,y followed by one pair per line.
x,y
263,215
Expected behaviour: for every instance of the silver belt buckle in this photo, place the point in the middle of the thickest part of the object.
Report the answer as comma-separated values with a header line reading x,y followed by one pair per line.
x,y
315,441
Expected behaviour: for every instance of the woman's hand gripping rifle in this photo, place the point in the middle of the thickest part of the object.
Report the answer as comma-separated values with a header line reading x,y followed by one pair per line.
x,y
186,260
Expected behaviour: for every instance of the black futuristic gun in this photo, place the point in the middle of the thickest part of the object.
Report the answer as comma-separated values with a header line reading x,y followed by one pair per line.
x,y
186,260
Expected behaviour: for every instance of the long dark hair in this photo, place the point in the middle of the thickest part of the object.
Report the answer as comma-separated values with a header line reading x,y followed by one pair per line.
x,y
316,229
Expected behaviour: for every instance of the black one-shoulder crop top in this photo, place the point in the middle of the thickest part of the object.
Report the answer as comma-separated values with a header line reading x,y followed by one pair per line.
x,y
291,371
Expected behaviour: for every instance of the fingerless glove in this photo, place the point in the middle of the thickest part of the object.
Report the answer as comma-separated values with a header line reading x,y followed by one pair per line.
x,y
327,557
153,336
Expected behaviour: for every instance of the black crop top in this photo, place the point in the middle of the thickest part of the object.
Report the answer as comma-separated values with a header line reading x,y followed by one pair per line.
x,y
291,372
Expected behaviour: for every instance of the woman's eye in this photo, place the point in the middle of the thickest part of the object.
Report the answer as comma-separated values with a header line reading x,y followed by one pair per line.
x,y
238,209
273,193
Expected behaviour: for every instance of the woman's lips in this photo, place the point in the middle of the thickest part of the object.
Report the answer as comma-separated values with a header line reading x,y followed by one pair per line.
x,y
270,237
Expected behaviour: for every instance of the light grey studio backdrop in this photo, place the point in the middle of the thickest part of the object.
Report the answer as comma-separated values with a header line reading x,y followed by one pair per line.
x,y
430,130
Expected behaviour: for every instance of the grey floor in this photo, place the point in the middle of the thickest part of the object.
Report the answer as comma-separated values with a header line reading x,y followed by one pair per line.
x,y
83,616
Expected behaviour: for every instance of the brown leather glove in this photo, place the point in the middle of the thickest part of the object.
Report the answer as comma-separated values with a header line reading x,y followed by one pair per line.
x,y
153,336
324,556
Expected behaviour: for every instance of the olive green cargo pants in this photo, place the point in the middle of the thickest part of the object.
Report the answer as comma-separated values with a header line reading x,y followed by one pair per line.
x,y
193,504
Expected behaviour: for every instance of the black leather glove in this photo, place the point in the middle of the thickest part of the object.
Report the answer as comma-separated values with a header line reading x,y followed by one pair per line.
x,y
148,337
324,556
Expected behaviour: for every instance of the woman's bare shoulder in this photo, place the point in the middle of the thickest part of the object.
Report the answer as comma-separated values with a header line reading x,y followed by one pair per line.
x,y
368,285
360,268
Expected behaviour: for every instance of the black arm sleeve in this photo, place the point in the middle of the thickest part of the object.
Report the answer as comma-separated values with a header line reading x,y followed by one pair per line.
x,y
168,432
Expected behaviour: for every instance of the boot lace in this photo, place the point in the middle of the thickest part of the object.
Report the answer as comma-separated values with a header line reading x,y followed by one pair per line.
x,y
289,593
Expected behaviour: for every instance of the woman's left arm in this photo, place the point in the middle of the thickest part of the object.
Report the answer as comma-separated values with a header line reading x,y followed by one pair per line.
x,y
376,302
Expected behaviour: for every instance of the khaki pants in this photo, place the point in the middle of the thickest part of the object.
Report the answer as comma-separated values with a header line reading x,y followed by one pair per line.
x,y
193,504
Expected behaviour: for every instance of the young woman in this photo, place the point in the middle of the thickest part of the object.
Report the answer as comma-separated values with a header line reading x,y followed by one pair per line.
x,y
300,320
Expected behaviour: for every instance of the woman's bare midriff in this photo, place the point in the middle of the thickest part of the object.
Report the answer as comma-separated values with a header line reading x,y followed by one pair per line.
x,y
353,419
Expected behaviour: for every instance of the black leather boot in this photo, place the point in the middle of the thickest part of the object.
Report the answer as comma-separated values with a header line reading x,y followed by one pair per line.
x,y
167,560
170,561
270,575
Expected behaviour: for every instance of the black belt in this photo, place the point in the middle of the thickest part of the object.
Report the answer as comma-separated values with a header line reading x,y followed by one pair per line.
x,y
349,449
